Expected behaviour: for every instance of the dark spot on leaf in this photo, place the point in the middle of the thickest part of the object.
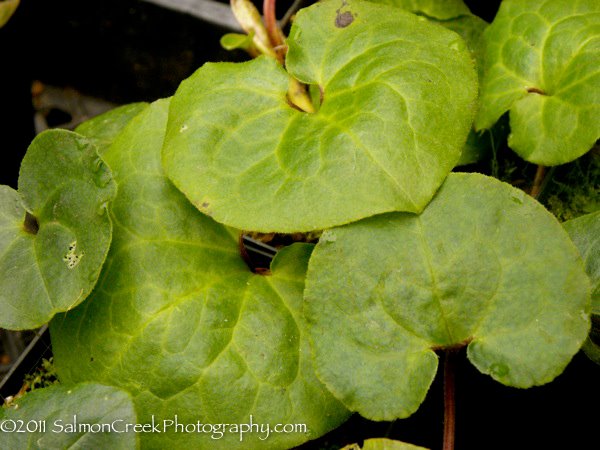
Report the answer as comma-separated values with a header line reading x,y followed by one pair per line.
x,y
534,90
92,359
204,207
31,225
343,19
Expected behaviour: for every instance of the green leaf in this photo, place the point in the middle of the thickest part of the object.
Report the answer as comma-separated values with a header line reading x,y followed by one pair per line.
x,y
234,41
83,416
433,9
542,62
55,232
585,233
470,28
592,350
476,148
215,343
383,444
103,128
452,14
7,9
483,265
455,16
241,154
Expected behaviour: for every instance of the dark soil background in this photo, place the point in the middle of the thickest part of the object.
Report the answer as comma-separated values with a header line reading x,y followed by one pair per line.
x,y
128,50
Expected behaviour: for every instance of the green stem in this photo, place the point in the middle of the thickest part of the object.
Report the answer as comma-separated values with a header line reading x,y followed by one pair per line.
x,y
449,398
536,188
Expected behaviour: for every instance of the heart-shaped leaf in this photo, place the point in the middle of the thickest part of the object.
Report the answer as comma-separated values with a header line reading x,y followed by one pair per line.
x,y
176,303
542,62
86,415
55,232
585,233
243,155
484,265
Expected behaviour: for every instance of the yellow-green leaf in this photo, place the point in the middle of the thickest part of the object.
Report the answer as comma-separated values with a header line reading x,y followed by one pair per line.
x,y
215,343
55,231
243,155
542,63
483,265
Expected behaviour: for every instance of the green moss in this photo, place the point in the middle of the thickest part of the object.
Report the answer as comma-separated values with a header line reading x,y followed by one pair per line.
x,y
574,189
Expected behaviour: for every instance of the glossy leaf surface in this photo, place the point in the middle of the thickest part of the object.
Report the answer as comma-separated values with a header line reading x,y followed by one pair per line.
x,y
69,417
55,232
243,155
483,265
180,322
542,62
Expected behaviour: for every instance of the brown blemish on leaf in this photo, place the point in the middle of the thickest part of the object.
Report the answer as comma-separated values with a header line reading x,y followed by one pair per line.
x,y
343,19
534,90
31,225
204,207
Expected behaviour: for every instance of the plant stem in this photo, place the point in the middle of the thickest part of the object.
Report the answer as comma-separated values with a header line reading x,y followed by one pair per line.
x,y
290,12
273,30
536,188
449,398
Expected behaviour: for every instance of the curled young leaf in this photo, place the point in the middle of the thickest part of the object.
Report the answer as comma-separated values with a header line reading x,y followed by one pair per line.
x,y
85,415
483,265
542,62
55,231
396,105
176,302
